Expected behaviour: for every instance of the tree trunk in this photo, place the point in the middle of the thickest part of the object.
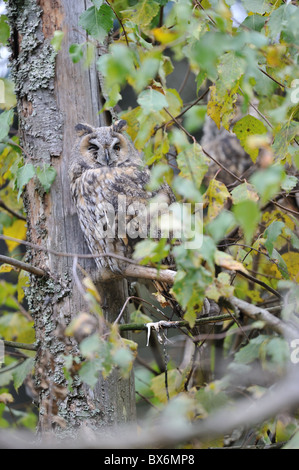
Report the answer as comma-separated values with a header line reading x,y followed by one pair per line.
x,y
53,96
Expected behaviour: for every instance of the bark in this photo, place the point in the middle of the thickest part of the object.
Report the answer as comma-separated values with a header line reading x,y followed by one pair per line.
x,y
53,96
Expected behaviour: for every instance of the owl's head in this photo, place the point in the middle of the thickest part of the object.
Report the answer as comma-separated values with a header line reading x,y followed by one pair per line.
x,y
106,146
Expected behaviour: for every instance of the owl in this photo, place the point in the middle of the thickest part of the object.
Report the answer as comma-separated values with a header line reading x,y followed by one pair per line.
x,y
108,181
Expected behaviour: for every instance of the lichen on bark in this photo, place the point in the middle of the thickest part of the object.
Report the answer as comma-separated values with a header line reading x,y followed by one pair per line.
x,y
33,73
48,87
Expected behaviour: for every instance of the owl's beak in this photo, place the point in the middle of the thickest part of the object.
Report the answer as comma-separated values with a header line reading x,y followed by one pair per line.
x,y
107,156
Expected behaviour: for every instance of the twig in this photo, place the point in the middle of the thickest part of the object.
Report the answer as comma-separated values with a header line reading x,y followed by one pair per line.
x,y
20,265
134,297
272,78
14,344
120,22
285,208
11,211
258,313
261,283
198,4
184,111
132,270
175,324
204,151
184,80
74,255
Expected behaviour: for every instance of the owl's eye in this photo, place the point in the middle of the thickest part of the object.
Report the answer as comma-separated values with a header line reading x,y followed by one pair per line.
x,y
93,148
116,147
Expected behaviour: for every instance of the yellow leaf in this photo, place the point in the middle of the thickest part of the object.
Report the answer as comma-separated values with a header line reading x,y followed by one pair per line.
x,y
132,121
16,230
91,288
228,262
215,197
6,398
292,261
6,268
23,281
222,108
164,35
176,382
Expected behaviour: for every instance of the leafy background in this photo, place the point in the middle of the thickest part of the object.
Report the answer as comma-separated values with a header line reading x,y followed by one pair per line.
x,y
170,66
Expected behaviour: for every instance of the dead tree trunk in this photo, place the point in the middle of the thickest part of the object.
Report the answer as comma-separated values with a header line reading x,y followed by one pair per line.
x,y
53,96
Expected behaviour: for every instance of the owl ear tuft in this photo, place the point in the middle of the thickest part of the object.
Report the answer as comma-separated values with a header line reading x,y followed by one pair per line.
x,y
82,129
120,125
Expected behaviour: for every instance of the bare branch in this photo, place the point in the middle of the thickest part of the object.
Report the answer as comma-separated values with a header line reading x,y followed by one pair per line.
x,y
14,344
258,313
11,211
261,283
132,270
169,433
20,265
175,324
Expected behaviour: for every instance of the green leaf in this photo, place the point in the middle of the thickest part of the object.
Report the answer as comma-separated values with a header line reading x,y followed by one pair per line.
x,y
244,192
193,164
97,3
116,66
23,176
145,11
97,21
4,30
76,52
255,22
6,119
271,234
281,264
246,127
231,67
221,225
138,317
57,40
20,372
283,138
151,251
267,182
46,176
151,101
123,358
251,351
278,352
90,345
257,6
289,183
90,370
279,20
247,213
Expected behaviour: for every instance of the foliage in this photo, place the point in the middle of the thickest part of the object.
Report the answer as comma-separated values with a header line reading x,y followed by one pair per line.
x,y
250,229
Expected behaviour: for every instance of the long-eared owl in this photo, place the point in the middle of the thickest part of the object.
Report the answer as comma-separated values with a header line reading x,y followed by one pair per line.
x,y
109,187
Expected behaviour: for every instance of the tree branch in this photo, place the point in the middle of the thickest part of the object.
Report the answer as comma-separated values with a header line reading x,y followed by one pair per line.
x,y
175,324
20,265
258,313
14,344
11,211
132,270
261,283
204,151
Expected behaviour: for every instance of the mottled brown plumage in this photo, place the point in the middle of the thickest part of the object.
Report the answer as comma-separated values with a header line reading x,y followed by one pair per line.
x,y
108,176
